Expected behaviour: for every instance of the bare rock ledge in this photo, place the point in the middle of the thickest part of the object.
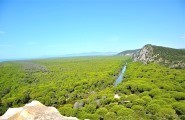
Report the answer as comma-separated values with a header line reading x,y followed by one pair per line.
x,y
34,111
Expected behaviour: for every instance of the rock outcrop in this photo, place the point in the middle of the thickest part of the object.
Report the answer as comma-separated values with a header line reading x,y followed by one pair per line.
x,y
173,58
34,111
145,55
79,104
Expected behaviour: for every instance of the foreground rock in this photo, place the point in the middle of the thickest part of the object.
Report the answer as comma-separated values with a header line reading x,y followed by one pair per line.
x,y
34,111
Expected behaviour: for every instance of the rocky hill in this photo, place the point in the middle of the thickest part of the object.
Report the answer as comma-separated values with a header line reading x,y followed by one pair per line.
x,y
34,111
128,52
174,58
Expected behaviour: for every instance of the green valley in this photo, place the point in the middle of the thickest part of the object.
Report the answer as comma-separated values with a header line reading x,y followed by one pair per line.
x,y
56,81
83,87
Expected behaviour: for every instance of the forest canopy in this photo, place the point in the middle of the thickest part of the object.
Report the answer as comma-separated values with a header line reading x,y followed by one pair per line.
x,y
84,87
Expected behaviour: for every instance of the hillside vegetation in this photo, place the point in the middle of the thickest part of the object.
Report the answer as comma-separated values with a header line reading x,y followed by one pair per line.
x,y
173,58
128,52
170,54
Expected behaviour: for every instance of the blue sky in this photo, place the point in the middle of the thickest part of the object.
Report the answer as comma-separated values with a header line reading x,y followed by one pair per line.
x,y
36,28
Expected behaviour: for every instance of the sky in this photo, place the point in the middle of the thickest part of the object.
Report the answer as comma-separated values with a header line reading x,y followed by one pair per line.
x,y
38,28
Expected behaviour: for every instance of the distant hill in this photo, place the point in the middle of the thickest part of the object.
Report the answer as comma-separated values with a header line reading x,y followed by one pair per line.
x,y
174,58
128,52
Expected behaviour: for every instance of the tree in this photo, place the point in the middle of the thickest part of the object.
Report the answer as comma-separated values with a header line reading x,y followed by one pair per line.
x,y
179,108
153,108
110,116
155,92
101,112
139,102
138,109
167,113
90,108
125,112
67,110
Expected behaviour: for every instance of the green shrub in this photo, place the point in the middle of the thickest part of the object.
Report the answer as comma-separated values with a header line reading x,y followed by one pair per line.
x,y
178,95
90,108
179,107
115,108
132,97
167,113
110,116
155,92
147,98
158,101
129,105
101,112
139,102
67,110
153,108
90,116
125,112
138,109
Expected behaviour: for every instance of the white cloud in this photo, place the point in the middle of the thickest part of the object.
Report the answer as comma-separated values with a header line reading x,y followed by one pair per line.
x,y
2,32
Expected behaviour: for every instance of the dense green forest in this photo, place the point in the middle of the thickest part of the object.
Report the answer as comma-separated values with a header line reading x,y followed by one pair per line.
x,y
84,87
174,58
170,54
55,81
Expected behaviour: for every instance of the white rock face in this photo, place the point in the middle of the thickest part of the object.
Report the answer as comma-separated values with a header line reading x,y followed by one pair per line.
x,y
10,112
145,55
34,111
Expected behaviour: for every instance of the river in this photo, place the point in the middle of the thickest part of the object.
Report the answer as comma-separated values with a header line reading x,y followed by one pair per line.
x,y
121,75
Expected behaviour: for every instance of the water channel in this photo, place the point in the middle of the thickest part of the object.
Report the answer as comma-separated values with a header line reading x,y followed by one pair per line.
x,y
121,75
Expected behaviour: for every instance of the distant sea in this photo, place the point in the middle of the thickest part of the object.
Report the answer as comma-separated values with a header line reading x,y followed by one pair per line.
x,y
3,60
67,55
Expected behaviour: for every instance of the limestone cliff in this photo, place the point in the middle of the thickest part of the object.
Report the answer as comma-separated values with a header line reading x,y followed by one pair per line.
x,y
174,58
34,111
145,55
